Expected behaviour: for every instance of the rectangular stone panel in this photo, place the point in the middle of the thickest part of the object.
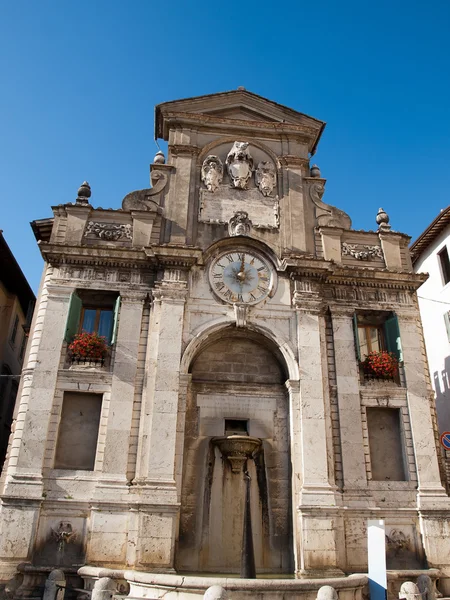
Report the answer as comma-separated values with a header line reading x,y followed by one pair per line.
x,y
78,431
220,206
386,447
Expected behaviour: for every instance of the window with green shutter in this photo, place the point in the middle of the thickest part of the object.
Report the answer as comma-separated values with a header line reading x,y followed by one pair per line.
x,y
93,311
376,331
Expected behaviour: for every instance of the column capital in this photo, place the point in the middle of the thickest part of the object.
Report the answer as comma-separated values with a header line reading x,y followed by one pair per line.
x,y
133,296
341,311
172,292
59,291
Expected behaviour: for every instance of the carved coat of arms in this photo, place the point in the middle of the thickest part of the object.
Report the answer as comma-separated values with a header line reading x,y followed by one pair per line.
x,y
239,165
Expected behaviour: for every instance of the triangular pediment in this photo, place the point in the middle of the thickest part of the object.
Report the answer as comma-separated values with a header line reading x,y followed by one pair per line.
x,y
238,105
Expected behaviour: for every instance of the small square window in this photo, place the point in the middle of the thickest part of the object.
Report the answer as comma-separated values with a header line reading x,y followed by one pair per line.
x,y
236,427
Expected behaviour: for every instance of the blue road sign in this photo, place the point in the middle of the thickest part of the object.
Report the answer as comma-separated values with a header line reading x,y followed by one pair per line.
x,y
445,440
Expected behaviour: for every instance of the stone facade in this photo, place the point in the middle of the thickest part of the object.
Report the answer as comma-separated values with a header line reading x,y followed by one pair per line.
x,y
236,297
16,309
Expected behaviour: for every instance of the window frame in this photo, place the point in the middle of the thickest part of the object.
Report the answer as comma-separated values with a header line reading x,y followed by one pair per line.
x,y
98,311
444,264
380,333
75,315
12,337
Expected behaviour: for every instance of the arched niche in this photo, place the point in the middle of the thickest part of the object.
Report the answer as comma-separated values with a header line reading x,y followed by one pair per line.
x,y
236,387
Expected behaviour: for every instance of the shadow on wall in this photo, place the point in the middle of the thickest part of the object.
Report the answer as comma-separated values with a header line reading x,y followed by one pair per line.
x,y
442,387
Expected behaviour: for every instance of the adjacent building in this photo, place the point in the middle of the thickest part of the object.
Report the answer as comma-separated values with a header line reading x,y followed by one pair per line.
x,y
430,254
237,311
16,309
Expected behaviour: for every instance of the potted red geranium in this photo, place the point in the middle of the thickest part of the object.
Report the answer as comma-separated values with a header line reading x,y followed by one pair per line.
x,y
382,365
88,347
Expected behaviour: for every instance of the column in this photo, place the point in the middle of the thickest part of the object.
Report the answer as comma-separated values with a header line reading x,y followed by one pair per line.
x,y
120,412
347,376
159,440
316,487
317,526
22,493
419,393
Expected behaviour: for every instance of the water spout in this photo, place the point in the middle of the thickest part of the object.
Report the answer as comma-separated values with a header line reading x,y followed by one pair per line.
x,y
248,569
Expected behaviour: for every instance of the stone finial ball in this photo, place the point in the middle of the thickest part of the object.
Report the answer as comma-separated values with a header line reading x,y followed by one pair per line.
x,y
215,592
315,171
159,159
409,590
382,217
327,592
84,191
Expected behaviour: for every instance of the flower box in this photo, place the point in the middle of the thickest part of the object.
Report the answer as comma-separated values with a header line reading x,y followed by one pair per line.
x,y
88,347
380,365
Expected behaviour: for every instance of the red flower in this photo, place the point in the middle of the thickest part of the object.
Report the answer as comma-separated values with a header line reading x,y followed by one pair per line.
x,y
381,364
89,345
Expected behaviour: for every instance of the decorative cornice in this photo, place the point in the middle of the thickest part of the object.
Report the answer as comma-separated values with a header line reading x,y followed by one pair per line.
x,y
289,160
178,149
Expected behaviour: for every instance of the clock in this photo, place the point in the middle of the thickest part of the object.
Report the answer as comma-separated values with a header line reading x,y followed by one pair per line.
x,y
241,276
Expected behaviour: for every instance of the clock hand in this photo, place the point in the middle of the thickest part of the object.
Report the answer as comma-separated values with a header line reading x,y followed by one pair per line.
x,y
241,274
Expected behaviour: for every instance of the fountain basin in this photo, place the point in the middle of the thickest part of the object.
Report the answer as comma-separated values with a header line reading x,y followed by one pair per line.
x,y
179,587
237,449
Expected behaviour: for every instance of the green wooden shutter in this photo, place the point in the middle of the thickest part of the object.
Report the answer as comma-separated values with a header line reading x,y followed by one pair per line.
x,y
392,335
116,321
73,317
356,336
447,324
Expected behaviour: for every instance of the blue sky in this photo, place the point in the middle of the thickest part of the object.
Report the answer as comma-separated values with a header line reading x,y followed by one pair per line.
x,y
80,81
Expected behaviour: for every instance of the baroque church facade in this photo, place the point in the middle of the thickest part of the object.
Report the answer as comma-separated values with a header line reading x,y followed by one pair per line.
x,y
238,310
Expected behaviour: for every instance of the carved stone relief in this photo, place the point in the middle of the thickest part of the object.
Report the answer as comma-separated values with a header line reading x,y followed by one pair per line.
x,y
397,541
239,224
327,215
110,232
266,177
239,165
212,172
362,252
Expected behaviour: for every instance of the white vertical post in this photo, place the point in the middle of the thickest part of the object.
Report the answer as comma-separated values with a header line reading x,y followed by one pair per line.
x,y
376,548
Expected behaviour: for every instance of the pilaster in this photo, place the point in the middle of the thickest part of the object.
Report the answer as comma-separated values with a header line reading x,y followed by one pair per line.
x,y
316,489
157,436
431,493
40,374
120,413
347,378
22,493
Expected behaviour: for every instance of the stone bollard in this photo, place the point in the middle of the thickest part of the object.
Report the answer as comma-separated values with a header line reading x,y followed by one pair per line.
x,y
409,591
104,589
327,592
55,586
215,592
427,588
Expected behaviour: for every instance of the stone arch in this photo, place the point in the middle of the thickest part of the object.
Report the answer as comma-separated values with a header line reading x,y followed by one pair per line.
x,y
231,139
213,329
236,394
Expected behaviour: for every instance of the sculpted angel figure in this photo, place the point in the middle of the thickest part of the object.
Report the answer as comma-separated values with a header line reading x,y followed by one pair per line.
x,y
239,165
212,172
266,177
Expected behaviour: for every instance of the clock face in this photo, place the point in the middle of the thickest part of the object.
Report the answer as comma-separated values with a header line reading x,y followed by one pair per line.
x,y
241,276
